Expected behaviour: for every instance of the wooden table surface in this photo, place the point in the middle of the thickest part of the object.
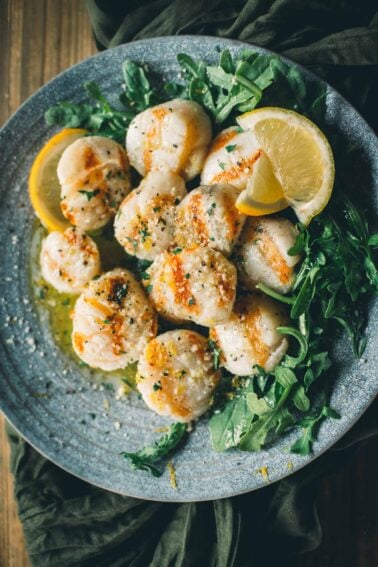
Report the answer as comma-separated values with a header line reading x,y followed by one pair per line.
x,y
38,39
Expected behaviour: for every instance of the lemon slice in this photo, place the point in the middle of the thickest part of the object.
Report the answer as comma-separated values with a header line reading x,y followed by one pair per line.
x,y
264,194
44,187
300,155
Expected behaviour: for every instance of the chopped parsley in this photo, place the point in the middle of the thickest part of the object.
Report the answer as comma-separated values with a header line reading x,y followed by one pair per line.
x,y
230,148
210,210
90,194
144,233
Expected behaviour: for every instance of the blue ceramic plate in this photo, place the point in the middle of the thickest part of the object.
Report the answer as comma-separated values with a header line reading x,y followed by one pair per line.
x,y
59,424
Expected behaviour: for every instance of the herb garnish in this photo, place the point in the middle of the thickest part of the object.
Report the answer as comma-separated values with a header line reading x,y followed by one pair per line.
x,y
230,148
336,272
144,232
144,276
102,117
146,458
90,194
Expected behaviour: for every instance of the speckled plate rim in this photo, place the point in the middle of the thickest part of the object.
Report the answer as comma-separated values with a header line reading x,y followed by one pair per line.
x,y
16,419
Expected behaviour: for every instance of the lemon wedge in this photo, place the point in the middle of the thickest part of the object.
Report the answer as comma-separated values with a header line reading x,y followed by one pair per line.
x,y
264,194
44,187
300,159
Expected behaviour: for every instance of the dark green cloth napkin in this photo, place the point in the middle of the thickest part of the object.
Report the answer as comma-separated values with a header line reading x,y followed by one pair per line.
x,y
70,523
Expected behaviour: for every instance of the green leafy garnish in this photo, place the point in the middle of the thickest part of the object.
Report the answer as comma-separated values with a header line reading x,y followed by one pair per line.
x,y
146,458
102,117
138,93
228,426
303,445
336,273
237,84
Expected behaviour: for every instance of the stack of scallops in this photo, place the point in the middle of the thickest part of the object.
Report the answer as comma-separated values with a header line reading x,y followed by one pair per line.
x,y
207,258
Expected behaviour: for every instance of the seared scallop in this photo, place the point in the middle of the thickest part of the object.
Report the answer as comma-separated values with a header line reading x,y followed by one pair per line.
x,y
262,253
250,336
208,216
69,260
113,321
231,158
196,284
176,376
144,223
173,136
94,176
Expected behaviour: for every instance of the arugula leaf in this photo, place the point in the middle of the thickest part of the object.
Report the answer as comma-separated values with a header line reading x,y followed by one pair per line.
x,y
292,361
228,426
145,458
256,405
256,435
306,293
275,295
101,118
233,85
191,67
138,93
306,97
303,445
300,399
373,240
338,269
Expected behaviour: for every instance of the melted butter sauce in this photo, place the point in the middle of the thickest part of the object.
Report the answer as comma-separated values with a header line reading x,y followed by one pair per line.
x,y
58,306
